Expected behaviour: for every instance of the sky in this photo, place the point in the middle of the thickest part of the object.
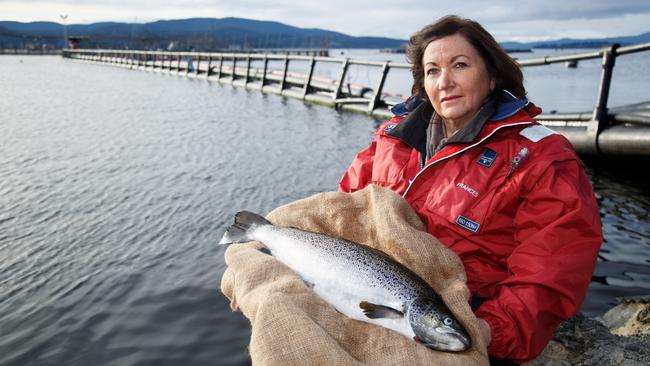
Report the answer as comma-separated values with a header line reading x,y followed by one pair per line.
x,y
507,20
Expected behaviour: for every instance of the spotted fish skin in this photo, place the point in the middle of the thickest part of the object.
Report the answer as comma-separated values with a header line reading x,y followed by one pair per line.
x,y
360,282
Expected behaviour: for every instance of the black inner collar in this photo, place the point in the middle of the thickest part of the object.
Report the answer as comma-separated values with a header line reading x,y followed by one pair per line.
x,y
413,129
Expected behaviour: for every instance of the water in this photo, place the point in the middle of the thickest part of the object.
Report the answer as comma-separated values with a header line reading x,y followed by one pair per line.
x,y
115,186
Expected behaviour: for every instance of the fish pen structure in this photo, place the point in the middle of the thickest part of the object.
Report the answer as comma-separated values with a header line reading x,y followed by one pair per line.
x,y
621,131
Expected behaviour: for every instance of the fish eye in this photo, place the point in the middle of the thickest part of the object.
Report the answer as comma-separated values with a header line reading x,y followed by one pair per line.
x,y
448,321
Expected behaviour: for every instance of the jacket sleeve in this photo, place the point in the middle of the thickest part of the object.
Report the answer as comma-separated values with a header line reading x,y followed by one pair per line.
x,y
558,236
359,173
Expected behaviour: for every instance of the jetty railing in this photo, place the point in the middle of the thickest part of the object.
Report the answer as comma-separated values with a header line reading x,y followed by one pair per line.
x,y
239,69
602,131
601,117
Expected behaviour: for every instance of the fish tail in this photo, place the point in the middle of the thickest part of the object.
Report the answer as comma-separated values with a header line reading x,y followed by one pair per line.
x,y
245,223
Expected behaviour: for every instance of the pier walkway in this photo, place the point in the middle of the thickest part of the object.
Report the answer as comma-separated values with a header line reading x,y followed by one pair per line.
x,y
621,131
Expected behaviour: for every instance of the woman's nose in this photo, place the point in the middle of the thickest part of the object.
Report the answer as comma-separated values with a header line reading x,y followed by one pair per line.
x,y
445,79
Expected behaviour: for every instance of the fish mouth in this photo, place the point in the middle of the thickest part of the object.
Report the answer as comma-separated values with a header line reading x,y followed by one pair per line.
x,y
451,342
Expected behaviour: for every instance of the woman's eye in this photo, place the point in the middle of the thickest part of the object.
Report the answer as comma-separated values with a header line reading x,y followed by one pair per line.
x,y
460,65
432,71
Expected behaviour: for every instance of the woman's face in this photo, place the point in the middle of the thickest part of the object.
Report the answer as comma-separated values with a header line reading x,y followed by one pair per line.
x,y
456,79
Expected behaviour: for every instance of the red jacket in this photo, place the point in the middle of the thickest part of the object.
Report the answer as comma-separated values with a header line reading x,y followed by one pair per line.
x,y
516,206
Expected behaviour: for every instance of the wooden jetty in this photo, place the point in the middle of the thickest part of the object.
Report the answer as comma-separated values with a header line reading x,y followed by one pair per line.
x,y
621,131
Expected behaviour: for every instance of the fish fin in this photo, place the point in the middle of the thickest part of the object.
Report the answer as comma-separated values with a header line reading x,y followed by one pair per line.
x,y
245,222
374,311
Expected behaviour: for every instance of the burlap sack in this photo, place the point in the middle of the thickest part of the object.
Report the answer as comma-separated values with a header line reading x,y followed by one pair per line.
x,y
291,325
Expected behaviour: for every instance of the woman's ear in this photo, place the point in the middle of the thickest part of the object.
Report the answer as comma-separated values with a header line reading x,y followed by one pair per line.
x,y
493,83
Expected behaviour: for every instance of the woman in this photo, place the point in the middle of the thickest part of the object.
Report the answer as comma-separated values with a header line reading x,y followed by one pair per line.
x,y
505,193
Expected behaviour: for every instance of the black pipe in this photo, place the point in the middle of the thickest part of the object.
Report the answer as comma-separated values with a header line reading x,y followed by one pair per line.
x,y
616,140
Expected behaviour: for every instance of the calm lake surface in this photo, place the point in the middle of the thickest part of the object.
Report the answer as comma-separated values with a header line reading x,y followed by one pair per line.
x,y
116,185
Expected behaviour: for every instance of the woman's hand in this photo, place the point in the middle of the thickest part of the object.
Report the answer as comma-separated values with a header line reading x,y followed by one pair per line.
x,y
486,331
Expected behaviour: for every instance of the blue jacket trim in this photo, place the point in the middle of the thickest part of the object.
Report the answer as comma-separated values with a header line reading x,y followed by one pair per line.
x,y
403,108
508,106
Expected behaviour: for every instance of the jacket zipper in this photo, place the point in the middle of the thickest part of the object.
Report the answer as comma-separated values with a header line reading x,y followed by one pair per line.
x,y
411,181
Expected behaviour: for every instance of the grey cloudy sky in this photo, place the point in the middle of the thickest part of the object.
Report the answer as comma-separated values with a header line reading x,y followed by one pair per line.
x,y
507,20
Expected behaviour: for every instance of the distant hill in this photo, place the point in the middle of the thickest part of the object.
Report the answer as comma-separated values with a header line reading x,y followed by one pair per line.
x,y
201,34
581,43
207,34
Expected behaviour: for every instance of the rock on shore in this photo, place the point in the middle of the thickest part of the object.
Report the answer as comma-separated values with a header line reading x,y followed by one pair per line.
x,y
585,341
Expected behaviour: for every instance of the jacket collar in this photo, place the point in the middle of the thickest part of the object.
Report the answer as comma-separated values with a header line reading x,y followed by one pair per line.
x,y
412,129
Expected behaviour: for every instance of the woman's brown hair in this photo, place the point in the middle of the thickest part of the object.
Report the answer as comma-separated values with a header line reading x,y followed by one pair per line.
x,y
500,65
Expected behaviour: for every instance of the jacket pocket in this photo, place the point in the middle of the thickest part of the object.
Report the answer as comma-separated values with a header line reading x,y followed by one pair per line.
x,y
463,191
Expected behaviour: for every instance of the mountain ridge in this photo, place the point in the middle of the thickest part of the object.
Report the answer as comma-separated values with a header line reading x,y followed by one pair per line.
x,y
205,34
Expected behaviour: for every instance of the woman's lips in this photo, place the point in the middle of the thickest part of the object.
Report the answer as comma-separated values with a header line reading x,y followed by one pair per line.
x,y
448,99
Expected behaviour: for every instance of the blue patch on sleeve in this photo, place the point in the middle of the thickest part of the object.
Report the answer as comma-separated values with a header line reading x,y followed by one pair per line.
x,y
390,127
468,224
487,159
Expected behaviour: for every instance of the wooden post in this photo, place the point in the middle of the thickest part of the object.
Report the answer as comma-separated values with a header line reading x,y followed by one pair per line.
x,y
198,65
284,73
600,118
266,64
220,67
380,86
209,71
178,62
248,70
339,86
312,66
234,68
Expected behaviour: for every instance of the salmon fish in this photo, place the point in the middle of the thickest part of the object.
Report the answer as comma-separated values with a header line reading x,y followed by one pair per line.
x,y
361,282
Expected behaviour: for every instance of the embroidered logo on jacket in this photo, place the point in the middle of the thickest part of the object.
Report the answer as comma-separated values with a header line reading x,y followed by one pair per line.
x,y
487,158
467,188
390,127
468,224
